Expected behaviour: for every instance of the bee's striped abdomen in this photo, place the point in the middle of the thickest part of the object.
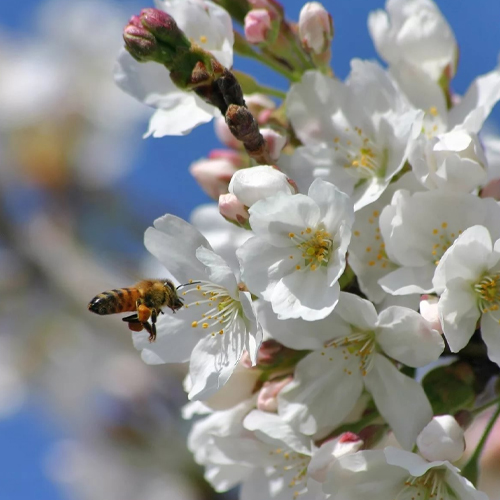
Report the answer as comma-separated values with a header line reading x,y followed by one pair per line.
x,y
115,301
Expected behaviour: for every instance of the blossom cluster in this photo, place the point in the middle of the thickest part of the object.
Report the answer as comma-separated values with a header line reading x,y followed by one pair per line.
x,y
358,243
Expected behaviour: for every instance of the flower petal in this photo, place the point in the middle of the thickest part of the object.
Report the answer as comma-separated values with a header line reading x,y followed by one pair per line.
x,y
399,399
407,337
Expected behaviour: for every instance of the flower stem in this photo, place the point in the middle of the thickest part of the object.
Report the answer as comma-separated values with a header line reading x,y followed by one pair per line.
x,y
243,48
471,469
480,409
272,91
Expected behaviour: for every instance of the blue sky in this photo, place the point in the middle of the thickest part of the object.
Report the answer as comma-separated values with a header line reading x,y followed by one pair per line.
x,y
161,182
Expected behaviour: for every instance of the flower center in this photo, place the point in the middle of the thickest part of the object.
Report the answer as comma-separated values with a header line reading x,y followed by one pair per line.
x,y
315,246
363,158
443,240
430,486
488,292
294,469
433,123
220,310
361,344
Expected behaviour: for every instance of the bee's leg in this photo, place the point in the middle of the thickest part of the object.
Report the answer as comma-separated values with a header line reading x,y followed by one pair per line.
x,y
154,316
133,318
151,329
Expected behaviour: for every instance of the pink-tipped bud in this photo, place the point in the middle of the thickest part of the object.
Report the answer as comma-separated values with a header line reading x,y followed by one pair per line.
x,y
315,28
135,21
429,311
164,28
213,175
139,42
232,209
274,8
275,142
234,157
270,353
267,400
257,26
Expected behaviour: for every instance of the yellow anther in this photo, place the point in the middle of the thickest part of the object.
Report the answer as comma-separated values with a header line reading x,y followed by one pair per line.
x,y
204,325
194,324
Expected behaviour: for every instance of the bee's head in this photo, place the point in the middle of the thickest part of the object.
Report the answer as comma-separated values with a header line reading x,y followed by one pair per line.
x,y
171,291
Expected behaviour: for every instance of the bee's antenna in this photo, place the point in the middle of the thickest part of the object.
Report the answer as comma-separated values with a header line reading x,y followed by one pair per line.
x,y
190,283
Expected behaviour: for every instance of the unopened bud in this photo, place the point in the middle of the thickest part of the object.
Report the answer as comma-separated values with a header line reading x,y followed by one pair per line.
x,y
271,354
315,28
164,28
235,157
213,175
260,106
232,209
267,399
258,25
139,42
441,439
274,8
275,142
256,183
429,311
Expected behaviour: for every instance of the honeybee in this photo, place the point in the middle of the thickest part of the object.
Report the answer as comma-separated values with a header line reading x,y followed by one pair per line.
x,y
146,298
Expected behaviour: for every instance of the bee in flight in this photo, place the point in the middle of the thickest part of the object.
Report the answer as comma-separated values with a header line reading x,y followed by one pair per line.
x,y
146,298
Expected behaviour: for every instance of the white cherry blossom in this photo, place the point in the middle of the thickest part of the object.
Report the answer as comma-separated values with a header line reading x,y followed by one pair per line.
x,y
217,321
399,474
453,161
357,134
178,112
468,276
414,31
298,252
329,381
417,230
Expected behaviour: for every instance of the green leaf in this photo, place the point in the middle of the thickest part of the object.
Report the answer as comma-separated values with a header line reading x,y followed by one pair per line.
x,y
450,388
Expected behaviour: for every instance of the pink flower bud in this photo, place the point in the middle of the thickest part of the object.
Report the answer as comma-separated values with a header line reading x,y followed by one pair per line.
x,y
441,439
267,399
315,28
257,25
139,42
275,142
491,190
257,103
274,8
213,175
164,28
234,157
232,209
429,311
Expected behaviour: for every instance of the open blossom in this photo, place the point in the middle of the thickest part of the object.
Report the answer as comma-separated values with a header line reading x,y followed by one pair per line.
x,y
356,134
298,252
329,381
453,161
217,321
415,32
418,229
468,277
401,474
178,112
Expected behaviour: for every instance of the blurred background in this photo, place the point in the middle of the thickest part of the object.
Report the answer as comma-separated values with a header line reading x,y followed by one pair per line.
x,y
81,417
